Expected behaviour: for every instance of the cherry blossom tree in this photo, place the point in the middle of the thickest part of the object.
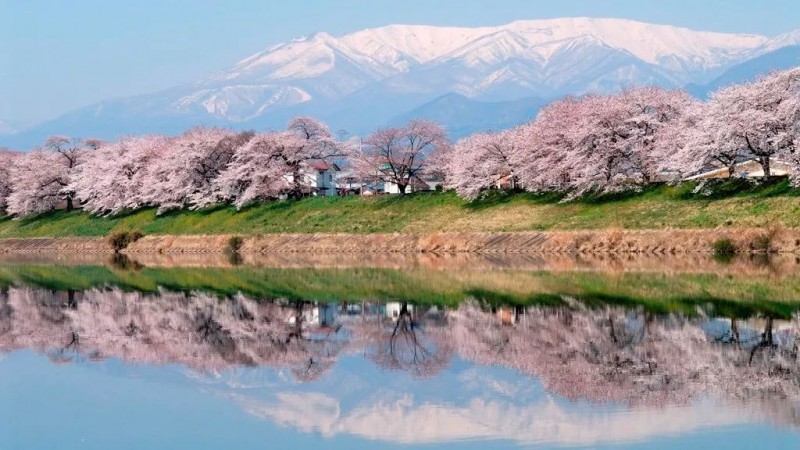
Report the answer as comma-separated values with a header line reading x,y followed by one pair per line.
x,y
277,164
687,147
6,162
253,173
308,140
115,177
184,176
40,180
543,147
600,143
483,161
399,155
613,138
759,119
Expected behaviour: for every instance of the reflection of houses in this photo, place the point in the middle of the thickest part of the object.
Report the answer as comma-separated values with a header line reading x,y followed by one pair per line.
x,y
753,332
318,178
393,309
321,315
506,315
746,169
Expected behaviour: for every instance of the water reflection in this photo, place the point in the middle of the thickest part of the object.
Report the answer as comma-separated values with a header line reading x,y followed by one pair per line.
x,y
534,357
599,353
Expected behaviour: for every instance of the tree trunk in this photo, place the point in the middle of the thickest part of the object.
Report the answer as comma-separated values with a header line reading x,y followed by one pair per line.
x,y
402,188
70,205
765,160
731,169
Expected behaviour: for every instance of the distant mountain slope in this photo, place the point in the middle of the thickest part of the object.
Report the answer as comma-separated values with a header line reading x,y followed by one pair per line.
x,y
6,128
464,116
362,80
780,59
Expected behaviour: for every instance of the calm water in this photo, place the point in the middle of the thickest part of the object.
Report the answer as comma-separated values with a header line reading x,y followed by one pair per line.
x,y
415,352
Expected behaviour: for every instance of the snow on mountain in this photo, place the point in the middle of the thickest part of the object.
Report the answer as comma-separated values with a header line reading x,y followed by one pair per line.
x,y
540,56
364,78
781,59
784,40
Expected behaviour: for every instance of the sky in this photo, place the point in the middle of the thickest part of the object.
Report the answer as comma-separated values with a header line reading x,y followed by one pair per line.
x,y
56,55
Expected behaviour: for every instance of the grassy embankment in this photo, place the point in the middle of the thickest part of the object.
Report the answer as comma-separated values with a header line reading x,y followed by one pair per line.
x,y
731,204
727,295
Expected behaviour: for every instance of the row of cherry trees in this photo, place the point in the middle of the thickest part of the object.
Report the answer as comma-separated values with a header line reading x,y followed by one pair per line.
x,y
611,142
204,166
594,143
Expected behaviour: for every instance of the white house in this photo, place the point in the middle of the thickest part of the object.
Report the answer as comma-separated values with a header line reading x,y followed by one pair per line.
x,y
416,184
319,178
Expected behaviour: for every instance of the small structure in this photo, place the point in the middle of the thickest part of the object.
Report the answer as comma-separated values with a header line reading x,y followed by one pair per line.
x,y
416,184
746,169
347,183
318,178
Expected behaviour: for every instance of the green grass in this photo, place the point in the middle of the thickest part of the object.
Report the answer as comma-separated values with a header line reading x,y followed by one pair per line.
x,y
736,203
663,293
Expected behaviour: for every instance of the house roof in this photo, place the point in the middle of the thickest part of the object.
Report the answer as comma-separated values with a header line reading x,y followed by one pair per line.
x,y
419,183
322,165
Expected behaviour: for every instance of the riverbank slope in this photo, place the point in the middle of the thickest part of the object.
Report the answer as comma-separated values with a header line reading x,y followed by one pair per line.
x,y
727,208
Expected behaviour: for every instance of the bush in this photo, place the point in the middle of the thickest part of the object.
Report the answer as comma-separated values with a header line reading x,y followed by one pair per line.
x,y
232,250
762,243
122,239
724,247
234,244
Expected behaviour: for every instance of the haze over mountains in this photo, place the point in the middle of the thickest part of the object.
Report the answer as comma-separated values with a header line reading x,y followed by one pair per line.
x,y
468,78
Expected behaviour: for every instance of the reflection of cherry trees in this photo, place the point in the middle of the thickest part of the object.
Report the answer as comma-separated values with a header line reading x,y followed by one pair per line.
x,y
196,330
411,342
610,354
601,353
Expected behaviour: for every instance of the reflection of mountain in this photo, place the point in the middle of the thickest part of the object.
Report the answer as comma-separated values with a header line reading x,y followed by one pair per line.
x,y
600,354
413,421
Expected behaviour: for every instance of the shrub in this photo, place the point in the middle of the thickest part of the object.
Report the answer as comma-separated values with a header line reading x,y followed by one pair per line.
x,y
122,239
724,247
122,262
232,249
762,243
234,244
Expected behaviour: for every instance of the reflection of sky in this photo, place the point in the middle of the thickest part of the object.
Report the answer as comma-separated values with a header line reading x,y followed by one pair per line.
x,y
112,405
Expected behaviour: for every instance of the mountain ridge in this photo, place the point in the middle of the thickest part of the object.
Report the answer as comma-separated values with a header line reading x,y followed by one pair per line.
x,y
363,79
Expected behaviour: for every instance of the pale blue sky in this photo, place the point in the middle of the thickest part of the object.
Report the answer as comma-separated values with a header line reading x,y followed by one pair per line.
x,y
57,55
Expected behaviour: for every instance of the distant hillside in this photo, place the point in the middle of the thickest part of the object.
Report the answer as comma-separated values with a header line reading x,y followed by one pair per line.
x,y
463,116
781,59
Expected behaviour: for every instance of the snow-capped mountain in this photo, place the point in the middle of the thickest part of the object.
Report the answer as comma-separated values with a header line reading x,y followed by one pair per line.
x,y
543,58
364,79
781,59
